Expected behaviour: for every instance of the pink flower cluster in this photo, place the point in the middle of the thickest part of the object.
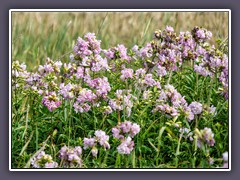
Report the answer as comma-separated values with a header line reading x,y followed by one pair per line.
x,y
87,46
161,70
117,52
223,78
196,107
99,63
101,138
145,52
71,157
126,74
172,103
50,67
67,91
87,54
210,61
51,101
123,101
19,75
186,133
225,159
35,82
101,85
205,135
164,54
43,160
169,95
125,132
208,136
85,97
170,58
107,109
188,45
19,70
170,50
144,80
201,34
70,69
126,146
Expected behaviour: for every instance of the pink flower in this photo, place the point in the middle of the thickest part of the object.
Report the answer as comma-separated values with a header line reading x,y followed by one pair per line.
x,y
126,146
196,107
102,138
51,101
125,128
169,29
94,151
126,73
89,142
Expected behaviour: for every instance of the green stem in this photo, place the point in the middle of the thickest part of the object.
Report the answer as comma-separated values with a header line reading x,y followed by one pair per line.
x,y
195,151
210,92
69,123
94,120
71,119
126,161
170,76
197,86
119,117
16,99
196,139
51,119
103,120
36,136
83,76
196,120
177,151
118,161
201,93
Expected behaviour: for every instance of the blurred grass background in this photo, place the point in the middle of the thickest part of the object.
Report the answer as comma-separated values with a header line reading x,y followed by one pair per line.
x,y
37,35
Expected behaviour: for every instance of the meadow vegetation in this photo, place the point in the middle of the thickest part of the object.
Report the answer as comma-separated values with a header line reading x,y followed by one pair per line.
x,y
120,90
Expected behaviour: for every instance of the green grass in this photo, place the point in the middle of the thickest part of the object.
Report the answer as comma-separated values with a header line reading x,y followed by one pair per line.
x,y
38,35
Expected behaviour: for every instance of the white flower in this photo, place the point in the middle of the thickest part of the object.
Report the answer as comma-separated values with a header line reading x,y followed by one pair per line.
x,y
225,156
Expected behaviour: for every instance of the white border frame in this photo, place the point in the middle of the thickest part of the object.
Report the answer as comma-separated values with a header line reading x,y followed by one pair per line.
x,y
116,10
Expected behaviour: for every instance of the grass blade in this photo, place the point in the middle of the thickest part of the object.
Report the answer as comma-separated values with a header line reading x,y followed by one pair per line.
x,y
26,145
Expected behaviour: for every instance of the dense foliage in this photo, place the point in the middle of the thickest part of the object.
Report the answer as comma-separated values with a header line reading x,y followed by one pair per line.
x,y
161,105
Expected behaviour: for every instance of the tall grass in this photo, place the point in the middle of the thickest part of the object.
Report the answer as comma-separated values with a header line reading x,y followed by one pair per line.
x,y
37,35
